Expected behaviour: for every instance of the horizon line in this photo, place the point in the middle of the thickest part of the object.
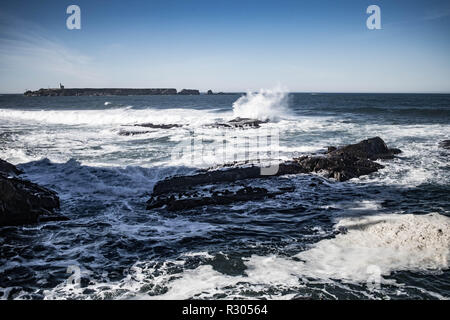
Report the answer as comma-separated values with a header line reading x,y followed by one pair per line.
x,y
243,92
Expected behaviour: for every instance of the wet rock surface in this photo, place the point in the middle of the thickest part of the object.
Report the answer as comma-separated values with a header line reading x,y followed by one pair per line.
x,y
239,123
24,202
445,144
189,200
373,149
341,164
7,168
158,126
128,132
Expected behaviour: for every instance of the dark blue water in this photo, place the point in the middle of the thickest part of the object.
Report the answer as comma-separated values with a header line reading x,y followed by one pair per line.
x,y
385,235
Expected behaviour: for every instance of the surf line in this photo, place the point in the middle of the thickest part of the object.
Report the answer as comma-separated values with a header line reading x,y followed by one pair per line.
x,y
193,310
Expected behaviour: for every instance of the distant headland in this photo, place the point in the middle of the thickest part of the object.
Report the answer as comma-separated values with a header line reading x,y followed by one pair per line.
x,y
61,91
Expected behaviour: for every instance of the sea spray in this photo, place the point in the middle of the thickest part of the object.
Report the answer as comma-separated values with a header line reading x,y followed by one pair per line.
x,y
266,104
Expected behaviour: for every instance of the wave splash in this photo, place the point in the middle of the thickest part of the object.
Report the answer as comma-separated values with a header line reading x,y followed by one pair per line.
x,y
371,246
266,104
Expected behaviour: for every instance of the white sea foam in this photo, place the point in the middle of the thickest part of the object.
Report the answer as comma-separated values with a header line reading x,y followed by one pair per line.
x,y
119,116
390,242
373,245
263,105
386,243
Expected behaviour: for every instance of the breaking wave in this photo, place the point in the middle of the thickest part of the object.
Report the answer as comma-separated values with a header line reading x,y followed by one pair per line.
x,y
267,104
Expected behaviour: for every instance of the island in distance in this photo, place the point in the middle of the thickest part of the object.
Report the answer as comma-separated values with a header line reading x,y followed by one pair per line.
x,y
61,91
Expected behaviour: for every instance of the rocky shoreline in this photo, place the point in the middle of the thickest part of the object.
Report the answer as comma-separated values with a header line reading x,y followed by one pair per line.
x,y
25,202
108,92
236,123
55,92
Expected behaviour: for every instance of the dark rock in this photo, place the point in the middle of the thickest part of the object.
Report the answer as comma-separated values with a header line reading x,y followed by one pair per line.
x,y
239,123
132,133
340,167
209,92
158,126
124,132
23,202
445,144
373,148
216,198
8,169
181,183
230,265
341,164
189,92
331,149
99,92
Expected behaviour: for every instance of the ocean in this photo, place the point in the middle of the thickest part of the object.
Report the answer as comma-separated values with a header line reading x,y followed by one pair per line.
x,y
381,236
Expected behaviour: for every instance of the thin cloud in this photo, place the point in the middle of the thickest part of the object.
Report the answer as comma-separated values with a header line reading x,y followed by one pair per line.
x,y
26,48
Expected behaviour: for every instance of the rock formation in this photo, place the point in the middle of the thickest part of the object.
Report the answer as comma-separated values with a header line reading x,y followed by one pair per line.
x,y
22,201
342,164
189,92
99,92
239,123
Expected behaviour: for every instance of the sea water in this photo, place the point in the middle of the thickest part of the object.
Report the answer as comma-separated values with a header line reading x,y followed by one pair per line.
x,y
381,236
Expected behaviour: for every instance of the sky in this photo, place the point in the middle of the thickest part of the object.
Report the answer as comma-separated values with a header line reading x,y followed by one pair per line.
x,y
304,46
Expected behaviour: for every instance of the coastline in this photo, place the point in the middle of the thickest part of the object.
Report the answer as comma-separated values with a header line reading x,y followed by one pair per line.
x,y
113,92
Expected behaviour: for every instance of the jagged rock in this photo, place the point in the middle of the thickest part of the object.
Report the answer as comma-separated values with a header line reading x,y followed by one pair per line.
x,y
209,92
100,92
125,132
445,144
239,123
189,92
331,149
350,161
158,126
373,148
22,201
132,133
192,200
341,164
340,167
8,169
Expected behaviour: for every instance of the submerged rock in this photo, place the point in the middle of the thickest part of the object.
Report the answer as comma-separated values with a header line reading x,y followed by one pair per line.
x,y
158,126
22,201
191,199
147,125
239,123
132,133
445,144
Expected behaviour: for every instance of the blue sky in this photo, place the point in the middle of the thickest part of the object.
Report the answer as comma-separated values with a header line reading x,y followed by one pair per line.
x,y
311,46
